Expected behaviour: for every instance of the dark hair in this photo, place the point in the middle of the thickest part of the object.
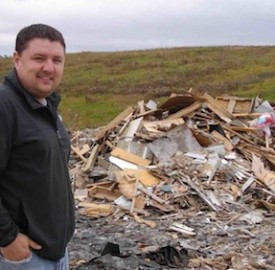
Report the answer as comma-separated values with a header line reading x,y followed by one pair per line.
x,y
37,31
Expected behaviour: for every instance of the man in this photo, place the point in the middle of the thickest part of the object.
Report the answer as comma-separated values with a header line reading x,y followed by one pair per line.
x,y
36,202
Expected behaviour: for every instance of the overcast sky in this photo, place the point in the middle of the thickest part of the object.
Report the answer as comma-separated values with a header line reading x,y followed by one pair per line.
x,y
116,25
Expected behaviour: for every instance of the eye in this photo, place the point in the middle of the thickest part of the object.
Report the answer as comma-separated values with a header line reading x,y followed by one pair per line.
x,y
57,61
38,58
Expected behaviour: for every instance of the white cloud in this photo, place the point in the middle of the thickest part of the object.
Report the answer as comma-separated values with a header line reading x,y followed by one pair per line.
x,y
107,25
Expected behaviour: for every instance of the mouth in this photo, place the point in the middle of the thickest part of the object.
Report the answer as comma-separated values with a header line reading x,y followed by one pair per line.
x,y
45,79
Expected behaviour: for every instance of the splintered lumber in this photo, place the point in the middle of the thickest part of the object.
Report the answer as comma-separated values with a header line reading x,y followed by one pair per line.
x,y
217,109
88,166
244,129
104,191
132,129
184,229
96,210
101,133
227,144
144,176
265,176
162,125
238,134
236,104
200,193
127,156
134,197
185,111
151,195
151,224
77,151
248,115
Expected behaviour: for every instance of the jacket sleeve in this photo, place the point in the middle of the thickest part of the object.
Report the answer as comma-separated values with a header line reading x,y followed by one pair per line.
x,y
8,230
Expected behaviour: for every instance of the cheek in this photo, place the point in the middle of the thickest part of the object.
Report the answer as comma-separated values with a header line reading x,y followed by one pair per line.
x,y
59,72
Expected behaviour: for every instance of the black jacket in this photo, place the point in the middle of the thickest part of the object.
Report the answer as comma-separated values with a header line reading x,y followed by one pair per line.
x,y
35,191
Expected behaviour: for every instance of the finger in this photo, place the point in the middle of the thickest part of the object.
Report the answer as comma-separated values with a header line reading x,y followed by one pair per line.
x,y
34,245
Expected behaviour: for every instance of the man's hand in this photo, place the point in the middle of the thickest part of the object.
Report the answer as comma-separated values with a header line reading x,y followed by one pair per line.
x,y
20,248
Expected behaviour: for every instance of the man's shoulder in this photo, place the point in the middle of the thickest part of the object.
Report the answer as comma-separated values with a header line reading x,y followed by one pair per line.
x,y
6,94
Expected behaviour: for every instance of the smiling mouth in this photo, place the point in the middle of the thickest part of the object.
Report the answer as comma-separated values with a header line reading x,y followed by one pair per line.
x,y
45,79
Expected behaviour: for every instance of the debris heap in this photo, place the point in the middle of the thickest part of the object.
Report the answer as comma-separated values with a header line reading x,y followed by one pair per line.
x,y
197,168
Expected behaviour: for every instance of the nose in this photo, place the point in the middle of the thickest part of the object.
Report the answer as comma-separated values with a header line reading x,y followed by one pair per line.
x,y
48,66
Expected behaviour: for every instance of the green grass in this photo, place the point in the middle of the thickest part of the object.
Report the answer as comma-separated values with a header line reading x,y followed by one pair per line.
x,y
93,111
97,86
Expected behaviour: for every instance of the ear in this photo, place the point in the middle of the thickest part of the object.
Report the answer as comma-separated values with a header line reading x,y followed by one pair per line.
x,y
16,59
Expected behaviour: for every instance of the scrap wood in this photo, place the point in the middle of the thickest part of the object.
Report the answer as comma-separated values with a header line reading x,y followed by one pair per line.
x,y
243,129
146,113
227,143
236,104
129,157
166,208
141,106
101,133
247,115
135,193
96,210
88,166
185,179
185,111
144,176
247,183
126,185
104,193
77,134
267,204
132,128
151,224
162,126
228,128
224,114
182,228
140,211
151,195
127,190
106,184
264,175
77,151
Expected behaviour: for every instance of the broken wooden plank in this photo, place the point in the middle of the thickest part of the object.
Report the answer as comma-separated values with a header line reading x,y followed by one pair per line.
x,y
185,111
88,166
101,133
236,104
134,197
132,129
96,210
151,224
104,193
185,179
217,109
227,143
151,195
77,151
144,176
162,126
129,157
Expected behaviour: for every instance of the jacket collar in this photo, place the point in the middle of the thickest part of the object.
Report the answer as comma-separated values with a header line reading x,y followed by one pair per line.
x,y
13,80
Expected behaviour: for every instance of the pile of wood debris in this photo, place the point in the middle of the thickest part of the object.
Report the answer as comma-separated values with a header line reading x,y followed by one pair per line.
x,y
204,165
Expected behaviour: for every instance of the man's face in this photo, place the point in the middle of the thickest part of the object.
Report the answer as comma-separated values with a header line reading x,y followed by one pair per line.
x,y
40,66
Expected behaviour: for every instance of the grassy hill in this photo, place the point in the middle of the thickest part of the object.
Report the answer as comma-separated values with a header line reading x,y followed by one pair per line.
x,y
97,86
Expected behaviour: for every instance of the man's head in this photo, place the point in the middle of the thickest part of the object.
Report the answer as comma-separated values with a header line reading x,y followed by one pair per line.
x,y
37,31
39,59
